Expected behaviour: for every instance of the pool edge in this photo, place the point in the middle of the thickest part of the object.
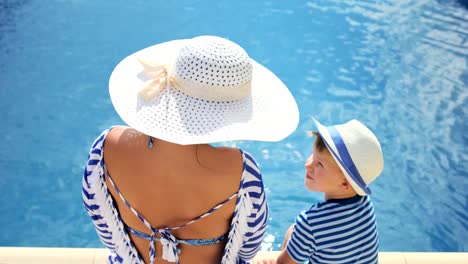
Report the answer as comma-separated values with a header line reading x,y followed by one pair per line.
x,y
39,255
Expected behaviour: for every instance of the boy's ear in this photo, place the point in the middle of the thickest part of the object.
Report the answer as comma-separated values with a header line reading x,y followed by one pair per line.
x,y
345,184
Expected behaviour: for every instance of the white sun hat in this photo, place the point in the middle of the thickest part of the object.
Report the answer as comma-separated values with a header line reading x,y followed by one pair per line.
x,y
356,150
201,90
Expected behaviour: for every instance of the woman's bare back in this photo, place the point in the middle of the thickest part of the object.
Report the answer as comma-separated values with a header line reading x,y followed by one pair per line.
x,y
170,185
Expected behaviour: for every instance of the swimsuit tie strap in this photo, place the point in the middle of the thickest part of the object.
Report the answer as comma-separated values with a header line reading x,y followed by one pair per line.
x,y
152,250
170,246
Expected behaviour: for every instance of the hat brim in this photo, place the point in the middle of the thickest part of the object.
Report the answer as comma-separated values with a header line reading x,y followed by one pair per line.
x,y
270,113
323,131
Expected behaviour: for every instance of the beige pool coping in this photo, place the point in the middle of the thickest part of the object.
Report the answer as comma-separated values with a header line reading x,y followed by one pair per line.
x,y
37,255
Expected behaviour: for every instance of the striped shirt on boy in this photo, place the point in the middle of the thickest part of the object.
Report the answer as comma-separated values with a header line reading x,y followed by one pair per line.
x,y
336,231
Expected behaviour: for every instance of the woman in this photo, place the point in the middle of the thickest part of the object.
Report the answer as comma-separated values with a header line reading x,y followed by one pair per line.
x,y
157,192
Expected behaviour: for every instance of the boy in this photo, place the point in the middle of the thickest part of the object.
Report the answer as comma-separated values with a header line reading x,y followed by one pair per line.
x,y
341,229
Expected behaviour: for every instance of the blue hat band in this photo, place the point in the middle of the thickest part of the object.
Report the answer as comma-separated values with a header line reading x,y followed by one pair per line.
x,y
345,158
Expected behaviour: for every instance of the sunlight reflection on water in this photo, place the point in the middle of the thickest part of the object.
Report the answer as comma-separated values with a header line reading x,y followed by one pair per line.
x,y
398,66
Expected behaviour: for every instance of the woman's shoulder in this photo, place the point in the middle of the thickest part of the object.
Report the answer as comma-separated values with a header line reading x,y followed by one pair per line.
x,y
116,132
104,135
224,160
227,152
236,152
243,162
122,138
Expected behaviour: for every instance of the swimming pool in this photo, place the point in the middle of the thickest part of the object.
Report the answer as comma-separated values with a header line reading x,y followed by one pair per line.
x,y
398,66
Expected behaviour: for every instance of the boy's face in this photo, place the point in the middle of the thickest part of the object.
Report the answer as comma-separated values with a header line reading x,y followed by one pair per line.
x,y
324,175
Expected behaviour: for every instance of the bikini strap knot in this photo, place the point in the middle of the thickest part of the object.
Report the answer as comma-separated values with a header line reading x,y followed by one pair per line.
x,y
170,246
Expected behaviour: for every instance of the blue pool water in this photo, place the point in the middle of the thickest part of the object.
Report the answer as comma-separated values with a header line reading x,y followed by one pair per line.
x,y
398,66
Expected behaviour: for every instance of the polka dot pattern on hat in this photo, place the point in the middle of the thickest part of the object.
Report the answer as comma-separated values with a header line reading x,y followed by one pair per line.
x,y
215,92
219,71
214,64
190,116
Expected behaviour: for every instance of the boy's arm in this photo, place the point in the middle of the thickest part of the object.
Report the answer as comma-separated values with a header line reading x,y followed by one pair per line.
x,y
273,257
287,236
299,244
284,257
281,257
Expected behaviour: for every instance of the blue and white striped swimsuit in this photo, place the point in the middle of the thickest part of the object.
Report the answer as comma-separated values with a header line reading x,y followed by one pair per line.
x,y
243,239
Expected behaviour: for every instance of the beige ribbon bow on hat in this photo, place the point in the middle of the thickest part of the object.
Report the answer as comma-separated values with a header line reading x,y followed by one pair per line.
x,y
158,81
